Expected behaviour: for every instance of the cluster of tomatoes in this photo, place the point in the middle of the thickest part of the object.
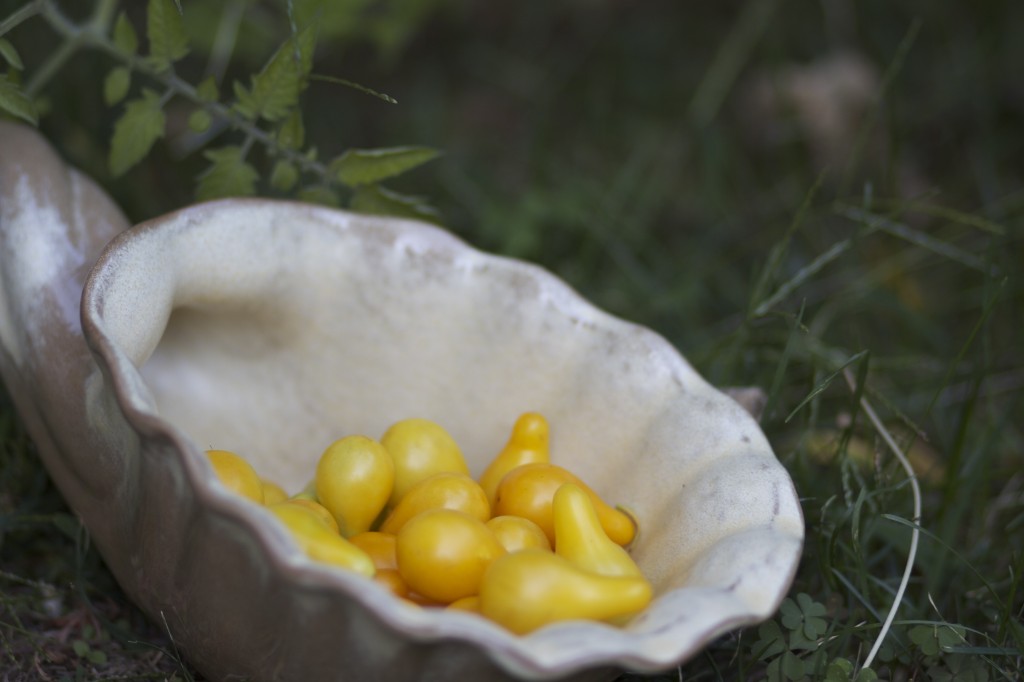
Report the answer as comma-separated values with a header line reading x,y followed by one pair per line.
x,y
526,544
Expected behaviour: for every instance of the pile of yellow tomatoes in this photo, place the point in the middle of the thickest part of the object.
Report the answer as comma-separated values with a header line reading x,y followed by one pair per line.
x,y
526,544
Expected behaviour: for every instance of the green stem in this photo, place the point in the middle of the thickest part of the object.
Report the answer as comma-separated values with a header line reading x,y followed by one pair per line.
x,y
26,11
102,16
51,66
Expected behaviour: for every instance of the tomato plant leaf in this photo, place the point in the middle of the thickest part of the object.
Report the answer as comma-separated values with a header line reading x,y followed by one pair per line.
x,y
245,103
319,194
284,176
116,84
368,166
207,89
292,133
275,90
229,175
16,102
141,124
10,54
166,32
378,200
125,38
199,121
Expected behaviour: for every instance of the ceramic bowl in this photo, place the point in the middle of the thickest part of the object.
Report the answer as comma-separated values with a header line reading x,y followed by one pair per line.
x,y
273,328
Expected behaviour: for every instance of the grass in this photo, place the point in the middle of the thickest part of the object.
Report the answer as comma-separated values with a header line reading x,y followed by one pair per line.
x,y
638,152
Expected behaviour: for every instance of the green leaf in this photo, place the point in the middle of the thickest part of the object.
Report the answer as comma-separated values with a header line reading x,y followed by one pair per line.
x,y
318,194
798,641
116,84
245,103
939,637
792,616
139,127
10,54
284,176
866,675
785,667
199,121
377,200
771,642
16,102
367,166
228,175
275,90
814,623
207,90
96,656
292,132
166,32
80,647
839,670
124,35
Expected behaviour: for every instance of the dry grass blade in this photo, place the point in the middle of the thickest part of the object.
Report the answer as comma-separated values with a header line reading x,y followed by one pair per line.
x,y
915,533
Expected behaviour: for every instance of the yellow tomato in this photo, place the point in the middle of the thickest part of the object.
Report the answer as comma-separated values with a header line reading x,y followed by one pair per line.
x,y
528,444
380,547
318,509
392,580
441,491
420,448
354,478
442,554
529,589
580,538
272,492
529,490
236,474
516,533
471,603
319,542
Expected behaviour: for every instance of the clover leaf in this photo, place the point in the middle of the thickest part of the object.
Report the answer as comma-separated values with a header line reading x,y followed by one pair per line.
x,y
804,616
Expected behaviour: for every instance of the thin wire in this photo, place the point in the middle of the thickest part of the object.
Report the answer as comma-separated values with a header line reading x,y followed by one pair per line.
x,y
915,533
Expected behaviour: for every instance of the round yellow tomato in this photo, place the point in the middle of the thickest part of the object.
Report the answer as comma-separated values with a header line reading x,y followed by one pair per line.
x,y
391,579
516,533
380,547
442,554
236,474
318,509
529,490
445,490
420,448
272,492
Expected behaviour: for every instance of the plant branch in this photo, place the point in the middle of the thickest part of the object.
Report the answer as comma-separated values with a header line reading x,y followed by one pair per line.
x,y
23,13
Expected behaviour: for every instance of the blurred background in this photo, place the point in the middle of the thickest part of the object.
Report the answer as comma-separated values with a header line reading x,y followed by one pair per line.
x,y
649,153
777,186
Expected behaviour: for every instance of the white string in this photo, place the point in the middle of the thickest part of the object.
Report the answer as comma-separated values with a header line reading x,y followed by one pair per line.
x,y
915,533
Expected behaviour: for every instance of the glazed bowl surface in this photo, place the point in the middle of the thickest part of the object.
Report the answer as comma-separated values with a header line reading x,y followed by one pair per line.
x,y
272,328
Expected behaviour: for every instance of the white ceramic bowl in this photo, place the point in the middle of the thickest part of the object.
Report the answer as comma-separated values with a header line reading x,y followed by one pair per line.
x,y
273,328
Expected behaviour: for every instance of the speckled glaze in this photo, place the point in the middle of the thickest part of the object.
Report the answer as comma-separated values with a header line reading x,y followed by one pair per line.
x,y
272,328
